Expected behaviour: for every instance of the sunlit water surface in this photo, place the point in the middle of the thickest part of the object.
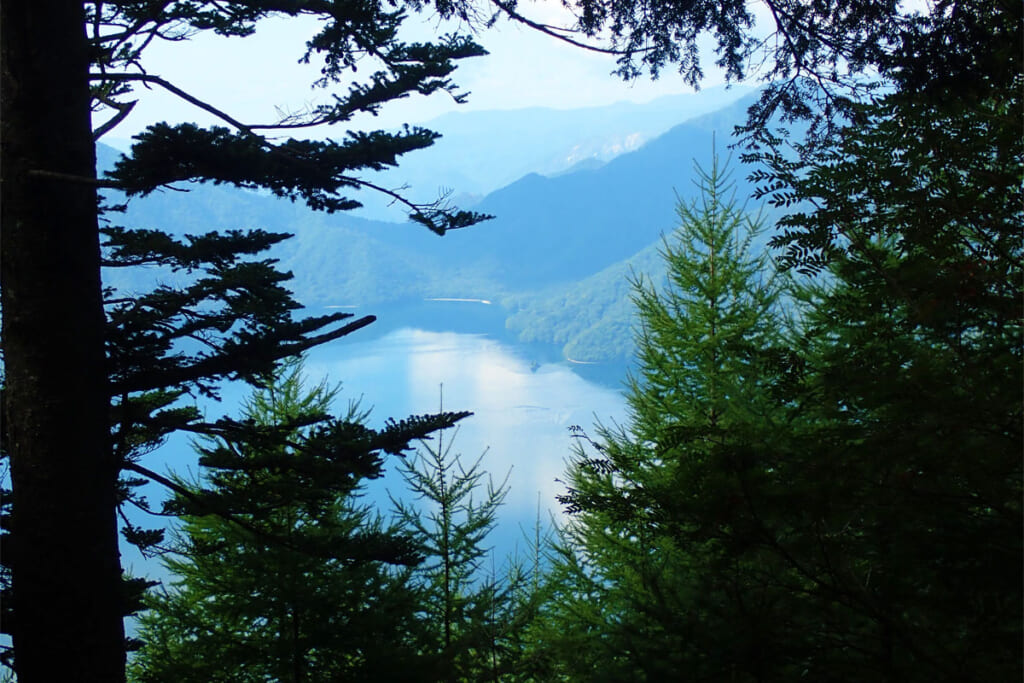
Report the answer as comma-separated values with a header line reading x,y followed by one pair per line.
x,y
522,411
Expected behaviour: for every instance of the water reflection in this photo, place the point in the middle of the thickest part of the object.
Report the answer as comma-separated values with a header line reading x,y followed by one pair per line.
x,y
522,412
522,409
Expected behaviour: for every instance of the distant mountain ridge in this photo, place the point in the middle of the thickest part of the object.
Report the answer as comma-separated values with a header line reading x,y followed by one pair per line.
x,y
480,152
551,230
560,236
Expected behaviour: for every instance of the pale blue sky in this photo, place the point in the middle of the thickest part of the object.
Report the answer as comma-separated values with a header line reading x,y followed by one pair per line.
x,y
250,77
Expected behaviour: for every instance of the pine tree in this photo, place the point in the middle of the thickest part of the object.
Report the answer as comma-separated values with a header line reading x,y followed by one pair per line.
x,y
846,506
303,582
522,622
65,65
661,574
851,510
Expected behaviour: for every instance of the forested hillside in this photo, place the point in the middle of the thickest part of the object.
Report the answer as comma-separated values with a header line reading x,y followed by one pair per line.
x,y
591,320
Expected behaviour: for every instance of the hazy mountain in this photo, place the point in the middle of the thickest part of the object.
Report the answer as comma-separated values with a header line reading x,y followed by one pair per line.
x,y
564,228
480,152
549,236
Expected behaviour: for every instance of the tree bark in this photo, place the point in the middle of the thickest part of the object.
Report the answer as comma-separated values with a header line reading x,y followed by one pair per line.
x,y
67,623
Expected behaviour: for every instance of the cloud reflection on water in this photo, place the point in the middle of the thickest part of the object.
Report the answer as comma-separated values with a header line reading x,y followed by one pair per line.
x,y
521,415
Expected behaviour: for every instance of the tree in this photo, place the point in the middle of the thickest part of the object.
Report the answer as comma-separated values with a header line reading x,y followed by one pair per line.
x,y
64,62
916,346
867,509
55,411
466,610
659,573
944,138
297,587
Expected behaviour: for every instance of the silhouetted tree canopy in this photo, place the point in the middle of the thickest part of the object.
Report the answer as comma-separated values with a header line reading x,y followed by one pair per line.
x,y
96,378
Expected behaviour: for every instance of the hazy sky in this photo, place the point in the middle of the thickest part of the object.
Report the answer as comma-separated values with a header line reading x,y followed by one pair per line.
x,y
250,77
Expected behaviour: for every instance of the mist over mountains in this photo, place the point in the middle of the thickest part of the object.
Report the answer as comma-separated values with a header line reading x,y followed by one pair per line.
x,y
480,152
557,252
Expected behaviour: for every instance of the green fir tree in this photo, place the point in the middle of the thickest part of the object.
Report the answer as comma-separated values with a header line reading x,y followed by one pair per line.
x,y
471,612
660,573
303,582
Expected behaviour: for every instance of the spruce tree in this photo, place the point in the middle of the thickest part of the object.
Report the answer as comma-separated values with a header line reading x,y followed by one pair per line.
x,y
468,609
303,582
659,567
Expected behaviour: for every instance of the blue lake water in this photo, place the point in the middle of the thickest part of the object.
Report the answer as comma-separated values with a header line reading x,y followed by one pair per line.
x,y
522,409
523,401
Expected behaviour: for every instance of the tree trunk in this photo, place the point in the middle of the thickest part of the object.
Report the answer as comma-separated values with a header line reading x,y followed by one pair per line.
x,y
67,623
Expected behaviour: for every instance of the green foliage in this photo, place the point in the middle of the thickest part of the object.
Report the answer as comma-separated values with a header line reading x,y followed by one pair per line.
x,y
223,314
823,56
837,495
916,342
651,580
472,616
214,313
935,165
818,38
848,507
290,579
316,172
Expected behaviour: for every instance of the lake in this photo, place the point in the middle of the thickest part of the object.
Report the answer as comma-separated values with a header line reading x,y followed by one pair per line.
x,y
523,399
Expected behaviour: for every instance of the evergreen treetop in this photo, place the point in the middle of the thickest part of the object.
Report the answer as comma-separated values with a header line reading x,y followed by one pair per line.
x,y
655,560
451,520
302,581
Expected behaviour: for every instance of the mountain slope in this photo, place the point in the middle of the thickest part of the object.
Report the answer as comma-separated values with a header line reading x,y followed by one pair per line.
x,y
592,319
562,229
480,152
548,231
